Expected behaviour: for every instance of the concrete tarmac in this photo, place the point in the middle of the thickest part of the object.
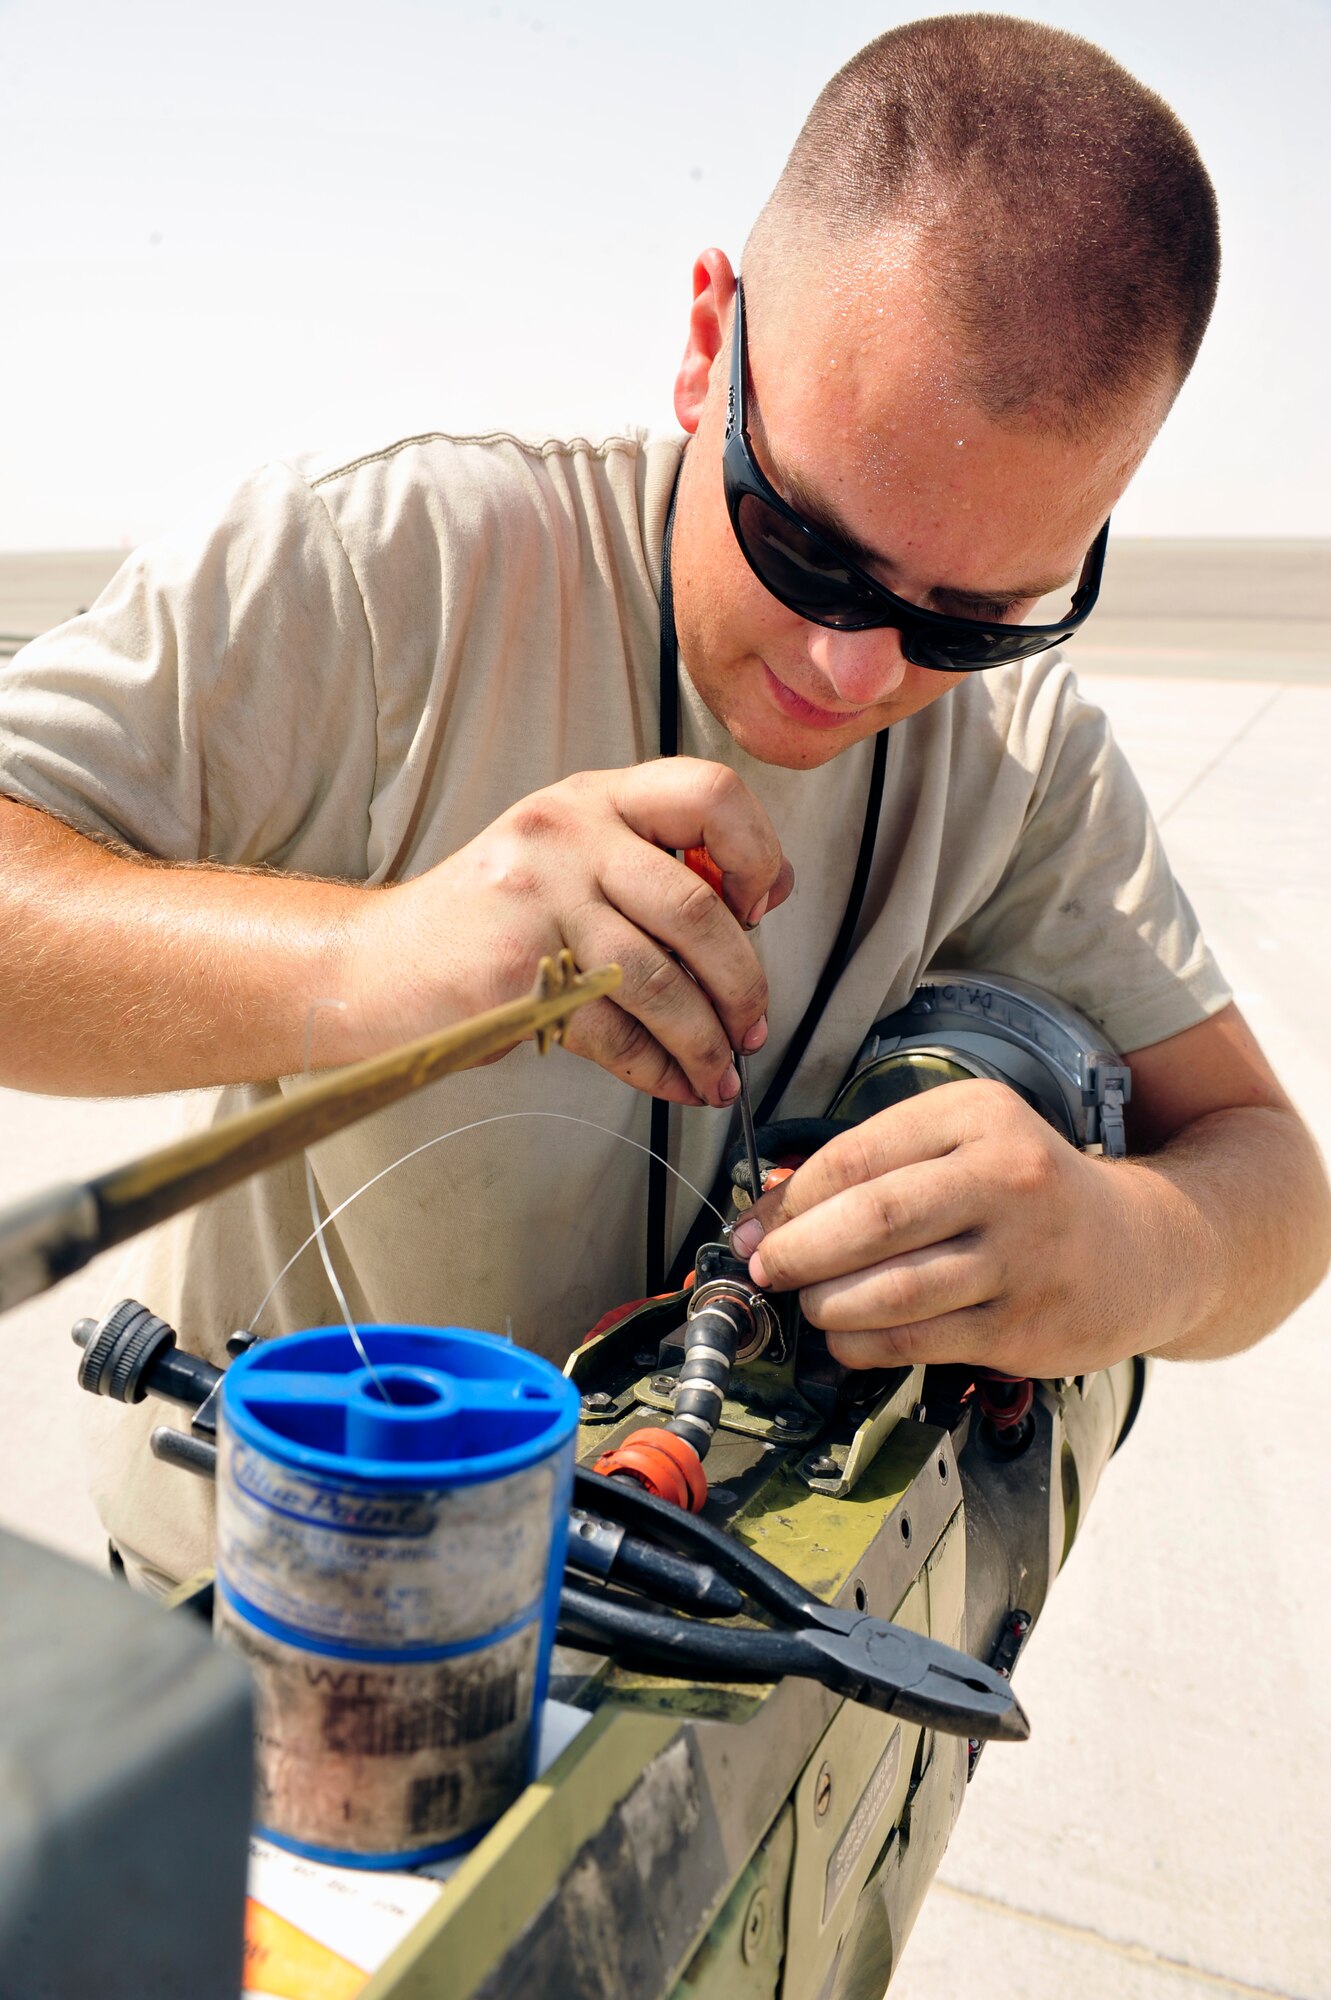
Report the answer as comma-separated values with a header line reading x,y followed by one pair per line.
x,y
1166,1833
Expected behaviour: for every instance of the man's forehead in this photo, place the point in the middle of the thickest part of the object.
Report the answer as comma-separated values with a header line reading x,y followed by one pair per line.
x,y
861,418
853,376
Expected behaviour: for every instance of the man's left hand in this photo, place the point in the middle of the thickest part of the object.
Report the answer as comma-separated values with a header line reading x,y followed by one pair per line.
x,y
956,1226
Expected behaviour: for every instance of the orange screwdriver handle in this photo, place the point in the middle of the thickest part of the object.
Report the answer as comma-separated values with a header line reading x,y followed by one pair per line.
x,y
702,864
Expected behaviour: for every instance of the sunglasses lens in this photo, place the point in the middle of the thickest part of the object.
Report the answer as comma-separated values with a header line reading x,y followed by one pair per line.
x,y
813,578
801,569
960,649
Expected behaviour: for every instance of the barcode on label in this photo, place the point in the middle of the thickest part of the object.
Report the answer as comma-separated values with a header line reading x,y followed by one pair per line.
x,y
432,1802
367,1725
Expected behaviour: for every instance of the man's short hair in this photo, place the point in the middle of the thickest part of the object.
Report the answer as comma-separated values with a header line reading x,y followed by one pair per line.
x,y
1057,211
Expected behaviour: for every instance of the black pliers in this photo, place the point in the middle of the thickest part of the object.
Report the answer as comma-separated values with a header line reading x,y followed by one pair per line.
x,y
866,1659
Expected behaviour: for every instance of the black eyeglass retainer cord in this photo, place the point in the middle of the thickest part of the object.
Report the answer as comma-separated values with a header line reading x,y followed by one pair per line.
x,y
659,1277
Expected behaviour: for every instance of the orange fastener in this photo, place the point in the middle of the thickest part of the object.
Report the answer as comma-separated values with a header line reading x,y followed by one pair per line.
x,y
666,1465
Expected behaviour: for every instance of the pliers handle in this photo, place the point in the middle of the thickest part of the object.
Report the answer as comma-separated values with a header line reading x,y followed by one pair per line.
x,y
866,1659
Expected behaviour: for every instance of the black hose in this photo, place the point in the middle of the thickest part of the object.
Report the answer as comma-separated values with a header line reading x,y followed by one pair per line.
x,y
711,1339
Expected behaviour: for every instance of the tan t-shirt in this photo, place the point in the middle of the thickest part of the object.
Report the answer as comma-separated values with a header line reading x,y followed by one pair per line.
x,y
354,670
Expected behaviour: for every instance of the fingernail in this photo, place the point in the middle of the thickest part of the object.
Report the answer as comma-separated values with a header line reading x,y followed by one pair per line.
x,y
756,1036
759,910
728,1088
745,1239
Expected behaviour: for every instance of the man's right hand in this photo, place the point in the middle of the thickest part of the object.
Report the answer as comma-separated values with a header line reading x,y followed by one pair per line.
x,y
119,974
584,864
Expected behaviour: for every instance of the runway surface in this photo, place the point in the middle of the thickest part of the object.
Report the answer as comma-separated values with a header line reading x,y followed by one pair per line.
x,y
1166,1833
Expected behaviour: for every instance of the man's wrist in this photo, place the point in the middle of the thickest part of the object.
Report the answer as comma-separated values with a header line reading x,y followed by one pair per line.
x,y
389,974
364,962
1172,1267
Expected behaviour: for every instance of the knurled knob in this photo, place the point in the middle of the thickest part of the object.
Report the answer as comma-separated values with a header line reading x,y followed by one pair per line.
x,y
115,1358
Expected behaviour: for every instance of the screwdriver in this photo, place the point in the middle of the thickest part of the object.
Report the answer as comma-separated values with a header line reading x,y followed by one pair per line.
x,y
703,866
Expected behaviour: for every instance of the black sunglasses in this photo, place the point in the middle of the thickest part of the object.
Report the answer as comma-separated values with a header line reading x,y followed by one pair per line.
x,y
815,578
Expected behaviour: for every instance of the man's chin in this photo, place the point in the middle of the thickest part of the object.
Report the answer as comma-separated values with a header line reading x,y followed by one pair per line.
x,y
772,739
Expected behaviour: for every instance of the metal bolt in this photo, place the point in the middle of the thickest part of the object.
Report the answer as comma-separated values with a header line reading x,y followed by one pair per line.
x,y
755,1925
824,1467
822,1792
663,1384
789,1420
722,1495
646,1358
598,1400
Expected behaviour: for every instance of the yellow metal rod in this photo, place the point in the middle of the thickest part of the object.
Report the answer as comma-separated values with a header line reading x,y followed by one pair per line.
x,y
133,1197
44,1238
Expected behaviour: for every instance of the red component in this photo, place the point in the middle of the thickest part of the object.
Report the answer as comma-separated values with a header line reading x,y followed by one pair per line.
x,y
617,1313
701,862
1004,1399
666,1465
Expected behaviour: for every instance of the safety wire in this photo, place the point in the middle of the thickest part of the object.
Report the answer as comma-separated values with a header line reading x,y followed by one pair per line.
x,y
498,1118
317,1235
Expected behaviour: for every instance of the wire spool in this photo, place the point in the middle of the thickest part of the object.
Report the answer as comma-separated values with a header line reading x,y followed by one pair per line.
x,y
390,1569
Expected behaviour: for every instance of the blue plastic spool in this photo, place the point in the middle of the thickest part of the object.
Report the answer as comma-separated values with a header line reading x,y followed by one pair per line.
x,y
346,1524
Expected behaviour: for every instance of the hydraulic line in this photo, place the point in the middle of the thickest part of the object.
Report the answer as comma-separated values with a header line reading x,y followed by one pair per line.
x,y
728,1320
712,1338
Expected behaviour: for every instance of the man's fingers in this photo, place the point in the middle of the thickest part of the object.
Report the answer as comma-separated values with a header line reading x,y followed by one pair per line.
x,y
670,1012
682,802
681,912
918,1205
773,900
604,1034
907,1291
927,1127
954,1337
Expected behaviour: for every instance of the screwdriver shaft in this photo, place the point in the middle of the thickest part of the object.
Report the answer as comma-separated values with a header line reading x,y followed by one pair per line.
x,y
746,1118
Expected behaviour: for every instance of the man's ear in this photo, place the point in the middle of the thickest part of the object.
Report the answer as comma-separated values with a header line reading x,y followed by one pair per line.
x,y
713,292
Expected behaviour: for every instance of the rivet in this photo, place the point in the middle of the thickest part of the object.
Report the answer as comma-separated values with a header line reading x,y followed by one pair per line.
x,y
755,1925
822,1792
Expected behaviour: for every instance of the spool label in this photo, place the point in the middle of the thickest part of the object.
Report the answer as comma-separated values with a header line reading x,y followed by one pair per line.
x,y
380,1568
372,1757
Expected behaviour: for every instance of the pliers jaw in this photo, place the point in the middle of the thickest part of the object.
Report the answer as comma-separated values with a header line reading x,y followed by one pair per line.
x,y
884,1666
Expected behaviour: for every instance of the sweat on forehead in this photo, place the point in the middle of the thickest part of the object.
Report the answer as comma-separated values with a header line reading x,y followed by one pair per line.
x,y
848,339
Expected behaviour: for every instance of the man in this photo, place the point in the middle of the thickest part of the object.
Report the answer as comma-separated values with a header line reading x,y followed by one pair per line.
x,y
393,727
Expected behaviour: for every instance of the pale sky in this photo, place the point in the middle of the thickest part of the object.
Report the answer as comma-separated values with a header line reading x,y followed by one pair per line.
x,y
271,226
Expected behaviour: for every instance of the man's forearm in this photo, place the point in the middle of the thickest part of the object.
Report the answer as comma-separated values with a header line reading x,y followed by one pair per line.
x,y
120,976
1232,1225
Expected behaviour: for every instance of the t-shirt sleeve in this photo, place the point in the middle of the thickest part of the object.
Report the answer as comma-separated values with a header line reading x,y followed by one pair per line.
x,y
1088,906
217,702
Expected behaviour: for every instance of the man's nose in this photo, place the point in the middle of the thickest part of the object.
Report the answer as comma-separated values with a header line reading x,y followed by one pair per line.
x,y
863,667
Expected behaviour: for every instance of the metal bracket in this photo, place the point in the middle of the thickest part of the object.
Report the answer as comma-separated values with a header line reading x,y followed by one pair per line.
x,y
772,1407
850,1461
